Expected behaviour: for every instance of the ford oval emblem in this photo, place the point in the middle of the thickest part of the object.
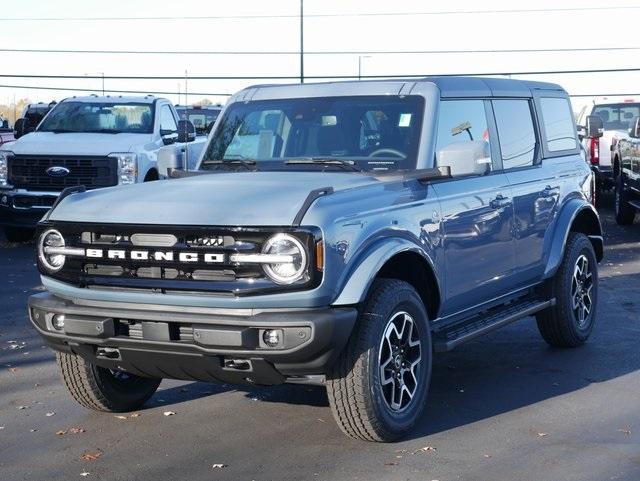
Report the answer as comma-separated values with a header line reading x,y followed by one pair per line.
x,y
57,171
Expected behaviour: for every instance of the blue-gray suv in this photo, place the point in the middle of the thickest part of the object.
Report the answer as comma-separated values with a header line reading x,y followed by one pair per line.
x,y
336,234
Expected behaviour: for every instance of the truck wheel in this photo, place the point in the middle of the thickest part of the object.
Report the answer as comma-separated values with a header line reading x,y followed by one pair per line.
x,y
575,288
100,389
18,234
378,387
625,213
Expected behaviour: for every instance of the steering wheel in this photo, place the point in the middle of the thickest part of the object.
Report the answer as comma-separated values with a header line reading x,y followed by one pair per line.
x,y
397,153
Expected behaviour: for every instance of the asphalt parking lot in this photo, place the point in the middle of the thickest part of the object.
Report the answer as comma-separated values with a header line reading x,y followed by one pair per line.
x,y
505,407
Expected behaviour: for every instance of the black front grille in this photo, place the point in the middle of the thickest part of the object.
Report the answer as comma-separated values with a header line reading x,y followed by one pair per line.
x,y
124,271
30,172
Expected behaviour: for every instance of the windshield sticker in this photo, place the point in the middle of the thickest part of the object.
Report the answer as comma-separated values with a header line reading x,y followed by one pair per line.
x,y
405,120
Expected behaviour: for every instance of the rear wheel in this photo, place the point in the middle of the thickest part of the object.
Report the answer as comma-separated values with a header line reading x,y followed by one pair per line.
x,y
378,387
625,213
575,287
101,389
18,234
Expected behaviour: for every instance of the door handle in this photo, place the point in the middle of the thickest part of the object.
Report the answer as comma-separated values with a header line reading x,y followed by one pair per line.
x,y
499,202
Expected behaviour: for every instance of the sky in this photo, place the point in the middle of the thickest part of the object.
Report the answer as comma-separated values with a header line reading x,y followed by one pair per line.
x,y
334,26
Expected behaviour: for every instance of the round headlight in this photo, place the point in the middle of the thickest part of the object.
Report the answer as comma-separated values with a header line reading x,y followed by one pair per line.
x,y
48,241
285,272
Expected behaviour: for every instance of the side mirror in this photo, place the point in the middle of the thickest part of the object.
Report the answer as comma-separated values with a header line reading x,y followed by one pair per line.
x,y
595,127
5,124
634,131
20,128
168,136
168,159
469,157
186,131
582,130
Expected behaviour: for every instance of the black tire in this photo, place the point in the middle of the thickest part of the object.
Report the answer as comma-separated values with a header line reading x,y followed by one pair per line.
x,y
18,234
625,213
99,389
357,398
561,325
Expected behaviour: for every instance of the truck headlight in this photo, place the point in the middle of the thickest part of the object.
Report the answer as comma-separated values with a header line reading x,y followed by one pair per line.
x,y
127,167
50,246
285,272
4,154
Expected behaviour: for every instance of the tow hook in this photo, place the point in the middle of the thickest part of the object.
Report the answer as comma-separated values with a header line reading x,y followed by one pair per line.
x,y
108,352
237,364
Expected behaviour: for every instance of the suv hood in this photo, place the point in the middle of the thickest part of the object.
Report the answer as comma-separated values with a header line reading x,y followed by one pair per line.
x,y
48,143
220,199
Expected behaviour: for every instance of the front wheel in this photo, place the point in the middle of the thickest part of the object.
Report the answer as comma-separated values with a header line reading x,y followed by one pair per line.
x,y
625,213
378,387
101,389
575,287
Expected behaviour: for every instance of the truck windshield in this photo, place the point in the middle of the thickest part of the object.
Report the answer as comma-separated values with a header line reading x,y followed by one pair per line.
x,y
202,118
617,116
368,132
107,117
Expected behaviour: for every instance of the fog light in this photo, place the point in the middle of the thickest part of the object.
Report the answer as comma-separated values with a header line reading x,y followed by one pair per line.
x,y
58,322
272,337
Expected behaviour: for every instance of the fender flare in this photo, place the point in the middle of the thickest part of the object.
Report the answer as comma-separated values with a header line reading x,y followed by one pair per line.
x,y
360,278
566,220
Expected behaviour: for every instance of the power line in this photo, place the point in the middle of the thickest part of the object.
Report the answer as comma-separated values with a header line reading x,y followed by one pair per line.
x,y
295,52
323,15
320,77
142,92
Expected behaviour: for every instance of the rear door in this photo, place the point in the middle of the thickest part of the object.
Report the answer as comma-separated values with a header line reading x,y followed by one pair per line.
x,y
477,209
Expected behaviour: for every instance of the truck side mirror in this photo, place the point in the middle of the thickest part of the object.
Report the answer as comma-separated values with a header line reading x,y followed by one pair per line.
x,y
468,157
582,130
186,131
20,128
634,131
594,127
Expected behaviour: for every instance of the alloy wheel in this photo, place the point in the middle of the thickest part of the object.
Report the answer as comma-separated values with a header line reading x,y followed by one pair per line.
x,y
581,287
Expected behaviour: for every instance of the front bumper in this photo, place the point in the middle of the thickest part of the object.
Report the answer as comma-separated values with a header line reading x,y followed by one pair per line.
x,y
21,208
205,344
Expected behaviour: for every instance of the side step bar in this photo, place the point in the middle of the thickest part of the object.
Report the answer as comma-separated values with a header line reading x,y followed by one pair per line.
x,y
459,333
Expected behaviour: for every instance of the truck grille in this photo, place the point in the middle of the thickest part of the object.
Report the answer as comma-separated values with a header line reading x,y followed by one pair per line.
x,y
164,275
30,172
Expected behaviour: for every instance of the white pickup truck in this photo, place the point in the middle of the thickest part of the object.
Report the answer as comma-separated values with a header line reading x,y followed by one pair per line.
x,y
92,142
617,119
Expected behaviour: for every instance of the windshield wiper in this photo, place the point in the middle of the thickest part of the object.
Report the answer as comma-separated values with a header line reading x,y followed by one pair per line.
x,y
248,164
60,131
347,164
104,131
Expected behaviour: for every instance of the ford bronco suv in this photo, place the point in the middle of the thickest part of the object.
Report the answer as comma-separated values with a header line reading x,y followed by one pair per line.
x,y
336,234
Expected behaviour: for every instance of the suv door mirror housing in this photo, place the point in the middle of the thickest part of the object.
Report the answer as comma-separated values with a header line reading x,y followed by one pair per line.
x,y
595,126
634,131
469,157
20,128
186,131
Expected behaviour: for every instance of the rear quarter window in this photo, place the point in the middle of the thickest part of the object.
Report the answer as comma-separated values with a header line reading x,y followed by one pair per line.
x,y
557,119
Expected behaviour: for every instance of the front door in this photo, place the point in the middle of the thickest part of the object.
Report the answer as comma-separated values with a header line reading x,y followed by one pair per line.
x,y
477,211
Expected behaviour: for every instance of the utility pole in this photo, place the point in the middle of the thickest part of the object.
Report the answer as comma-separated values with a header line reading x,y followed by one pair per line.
x,y
301,41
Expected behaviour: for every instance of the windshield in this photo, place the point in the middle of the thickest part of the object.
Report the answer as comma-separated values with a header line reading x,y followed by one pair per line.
x,y
372,133
617,116
202,119
99,117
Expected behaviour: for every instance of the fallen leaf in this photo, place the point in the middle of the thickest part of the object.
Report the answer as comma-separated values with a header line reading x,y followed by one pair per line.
x,y
50,413
168,413
120,417
91,456
218,466
135,415
84,474
487,456
32,430
61,433
23,407
626,430
391,463
425,449
322,420
76,430
541,435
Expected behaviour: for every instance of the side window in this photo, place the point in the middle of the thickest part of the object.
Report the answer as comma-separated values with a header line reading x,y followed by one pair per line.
x,y
558,124
167,120
463,137
515,132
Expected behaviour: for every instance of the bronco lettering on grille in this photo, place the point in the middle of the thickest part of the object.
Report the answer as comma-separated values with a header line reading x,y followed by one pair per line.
x,y
145,255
